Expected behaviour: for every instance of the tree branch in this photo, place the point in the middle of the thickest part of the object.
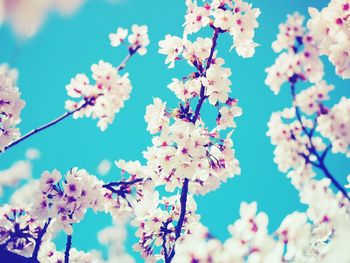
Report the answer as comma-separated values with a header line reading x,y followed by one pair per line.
x,y
320,158
68,247
45,126
39,239
184,190
123,183
69,113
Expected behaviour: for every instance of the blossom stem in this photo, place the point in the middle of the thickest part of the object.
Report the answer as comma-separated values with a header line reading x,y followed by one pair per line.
x,y
320,158
68,247
127,58
39,239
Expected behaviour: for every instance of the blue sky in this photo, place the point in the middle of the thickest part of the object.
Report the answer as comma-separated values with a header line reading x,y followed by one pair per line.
x,y
67,46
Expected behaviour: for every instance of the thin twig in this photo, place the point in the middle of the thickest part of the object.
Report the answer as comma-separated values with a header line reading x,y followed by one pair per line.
x,y
132,51
45,126
123,182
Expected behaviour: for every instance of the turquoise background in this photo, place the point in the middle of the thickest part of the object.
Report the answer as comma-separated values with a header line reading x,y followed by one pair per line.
x,y
67,46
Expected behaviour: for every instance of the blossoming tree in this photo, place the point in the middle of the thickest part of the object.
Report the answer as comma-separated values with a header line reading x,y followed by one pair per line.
x,y
189,157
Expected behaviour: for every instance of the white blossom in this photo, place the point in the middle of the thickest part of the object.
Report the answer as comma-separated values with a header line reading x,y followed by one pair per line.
x,y
10,109
335,125
330,28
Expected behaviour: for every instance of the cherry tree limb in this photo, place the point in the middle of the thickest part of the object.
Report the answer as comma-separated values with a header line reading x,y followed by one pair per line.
x,y
320,164
68,247
87,102
184,190
39,240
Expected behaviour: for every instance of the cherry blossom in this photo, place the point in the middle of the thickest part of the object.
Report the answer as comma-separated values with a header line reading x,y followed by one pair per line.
x,y
330,28
139,39
301,151
293,130
299,59
238,18
101,100
67,201
334,124
118,37
192,154
104,167
156,116
32,154
172,46
18,230
10,109
105,97
310,100
26,17
185,154
295,240
48,253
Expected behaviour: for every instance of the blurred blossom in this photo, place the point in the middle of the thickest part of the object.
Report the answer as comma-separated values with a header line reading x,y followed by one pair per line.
x,y
104,167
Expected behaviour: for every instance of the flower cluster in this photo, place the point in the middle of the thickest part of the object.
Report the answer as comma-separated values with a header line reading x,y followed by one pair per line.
x,y
299,59
10,109
188,157
18,230
249,240
310,100
293,146
138,40
186,154
68,200
121,196
186,150
334,124
330,28
236,17
106,96
49,254
156,219
296,240
300,149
